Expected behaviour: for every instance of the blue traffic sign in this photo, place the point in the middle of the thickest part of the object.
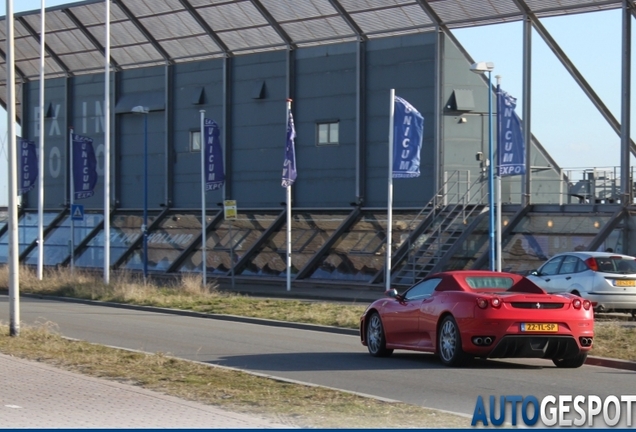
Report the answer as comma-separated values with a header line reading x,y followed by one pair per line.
x,y
77,212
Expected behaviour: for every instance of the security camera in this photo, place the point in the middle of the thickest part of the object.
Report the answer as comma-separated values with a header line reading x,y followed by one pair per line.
x,y
479,156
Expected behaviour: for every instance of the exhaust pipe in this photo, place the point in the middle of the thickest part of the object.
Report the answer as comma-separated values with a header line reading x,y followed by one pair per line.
x,y
478,341
487,340
585,341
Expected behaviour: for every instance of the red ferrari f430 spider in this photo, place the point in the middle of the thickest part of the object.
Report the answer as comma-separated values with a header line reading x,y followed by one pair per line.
x,y
464,314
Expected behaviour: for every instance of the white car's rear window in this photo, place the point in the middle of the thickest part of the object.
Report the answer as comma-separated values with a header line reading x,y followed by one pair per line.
x,y
616,265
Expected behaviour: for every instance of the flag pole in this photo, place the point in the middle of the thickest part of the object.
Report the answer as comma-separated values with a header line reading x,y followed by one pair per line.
x,y
41,148
13,247
204,261
289,209
72,178
389,222
499,143
107,148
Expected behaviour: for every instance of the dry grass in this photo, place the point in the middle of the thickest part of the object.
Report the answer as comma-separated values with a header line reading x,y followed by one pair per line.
x,y
293,404
614,340
186,293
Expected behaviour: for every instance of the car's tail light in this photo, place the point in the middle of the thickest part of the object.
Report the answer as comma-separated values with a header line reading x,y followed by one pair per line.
x,y
482,303
576,303
495,302
591,263
587,304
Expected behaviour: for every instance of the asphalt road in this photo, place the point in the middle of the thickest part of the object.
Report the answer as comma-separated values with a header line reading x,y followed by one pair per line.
x,y
333,360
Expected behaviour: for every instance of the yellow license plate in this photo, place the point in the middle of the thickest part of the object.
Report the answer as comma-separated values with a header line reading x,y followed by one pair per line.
x,y
539,327
625,283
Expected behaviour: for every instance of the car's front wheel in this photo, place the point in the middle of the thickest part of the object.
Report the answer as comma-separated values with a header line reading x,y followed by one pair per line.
x,y
449,343
376,340
573,362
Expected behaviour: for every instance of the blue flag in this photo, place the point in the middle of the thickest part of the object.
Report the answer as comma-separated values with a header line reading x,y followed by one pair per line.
x,y
27,165
214,174
408,131
511,149
84,167
289,166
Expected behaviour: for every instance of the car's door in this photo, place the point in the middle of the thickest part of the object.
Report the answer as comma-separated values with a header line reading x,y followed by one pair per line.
x,y
563,281
546,273
402,324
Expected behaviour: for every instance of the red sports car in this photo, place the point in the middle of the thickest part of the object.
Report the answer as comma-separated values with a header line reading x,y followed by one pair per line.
x,y
465,314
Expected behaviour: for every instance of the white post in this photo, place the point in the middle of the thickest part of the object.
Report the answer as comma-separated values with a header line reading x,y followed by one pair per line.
x,y
14,255
499,222
232,255
389,221
107,148
41,149
289,216
498,229
204,261
72,178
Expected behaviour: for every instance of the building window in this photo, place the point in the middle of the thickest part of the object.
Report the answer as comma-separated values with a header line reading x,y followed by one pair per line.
x,y
328,133
195,141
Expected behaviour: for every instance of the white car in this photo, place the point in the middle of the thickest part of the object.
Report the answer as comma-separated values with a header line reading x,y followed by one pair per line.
x,y
607,279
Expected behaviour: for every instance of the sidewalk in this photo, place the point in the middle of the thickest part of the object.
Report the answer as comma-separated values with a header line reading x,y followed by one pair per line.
x,y
36,395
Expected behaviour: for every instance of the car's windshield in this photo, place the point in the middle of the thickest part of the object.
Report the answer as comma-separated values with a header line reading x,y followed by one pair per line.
x,y
486,282
616,265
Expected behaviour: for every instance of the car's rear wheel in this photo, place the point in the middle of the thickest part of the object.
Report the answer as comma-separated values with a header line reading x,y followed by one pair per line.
x,y
449,343
573,362
376,340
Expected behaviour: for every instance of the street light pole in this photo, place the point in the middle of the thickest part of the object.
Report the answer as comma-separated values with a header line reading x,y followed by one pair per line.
x,y
479,68
144,227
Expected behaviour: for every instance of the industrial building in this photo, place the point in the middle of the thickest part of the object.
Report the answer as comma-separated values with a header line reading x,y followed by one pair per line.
x,y
239,61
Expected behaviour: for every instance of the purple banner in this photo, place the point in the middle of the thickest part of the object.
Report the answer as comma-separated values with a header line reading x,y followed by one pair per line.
x,y
408,130
27,165
214,174
511,149
84,167
289,165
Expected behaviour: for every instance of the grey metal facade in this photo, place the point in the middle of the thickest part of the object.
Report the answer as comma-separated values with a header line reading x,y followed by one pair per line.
x,y
324,83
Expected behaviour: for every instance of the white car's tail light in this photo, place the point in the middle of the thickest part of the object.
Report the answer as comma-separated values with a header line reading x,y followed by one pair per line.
x,y
592,264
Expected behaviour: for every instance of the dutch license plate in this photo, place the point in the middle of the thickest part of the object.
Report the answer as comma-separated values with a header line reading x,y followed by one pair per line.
x,y
539,327
625,283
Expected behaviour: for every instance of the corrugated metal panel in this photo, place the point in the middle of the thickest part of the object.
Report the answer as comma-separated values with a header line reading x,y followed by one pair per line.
x,y
386,20
244,28
320,29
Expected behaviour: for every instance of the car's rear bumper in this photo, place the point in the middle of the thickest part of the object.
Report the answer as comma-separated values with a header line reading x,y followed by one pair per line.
x,y
533,346
612,301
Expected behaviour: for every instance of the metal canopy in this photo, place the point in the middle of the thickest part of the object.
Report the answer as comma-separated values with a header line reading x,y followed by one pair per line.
x,y
159,32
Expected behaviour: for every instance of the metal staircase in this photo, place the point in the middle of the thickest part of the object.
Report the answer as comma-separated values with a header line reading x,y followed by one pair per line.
x,y
446,218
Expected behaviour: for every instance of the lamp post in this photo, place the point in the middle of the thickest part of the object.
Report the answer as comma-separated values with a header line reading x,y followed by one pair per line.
x,y
144,226
481,67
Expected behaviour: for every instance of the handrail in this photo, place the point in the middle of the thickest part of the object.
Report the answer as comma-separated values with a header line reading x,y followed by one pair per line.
x,y
432,203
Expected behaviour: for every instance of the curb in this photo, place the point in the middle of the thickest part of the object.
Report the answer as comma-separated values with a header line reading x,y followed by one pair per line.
x,y
611,363
590,361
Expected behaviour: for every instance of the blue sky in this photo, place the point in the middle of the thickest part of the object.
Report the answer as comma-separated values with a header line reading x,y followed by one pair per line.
x,y
563,118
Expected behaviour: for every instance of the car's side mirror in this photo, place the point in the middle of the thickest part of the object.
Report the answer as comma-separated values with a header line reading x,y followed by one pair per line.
x,y
391,293
534,273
